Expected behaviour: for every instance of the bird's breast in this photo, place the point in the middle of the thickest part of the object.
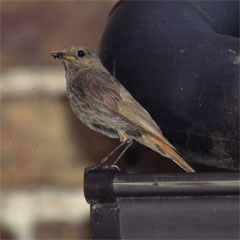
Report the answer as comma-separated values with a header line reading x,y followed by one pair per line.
x,y
97,117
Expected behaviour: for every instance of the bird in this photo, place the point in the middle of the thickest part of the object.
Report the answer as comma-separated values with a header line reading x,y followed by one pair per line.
x,y
103,104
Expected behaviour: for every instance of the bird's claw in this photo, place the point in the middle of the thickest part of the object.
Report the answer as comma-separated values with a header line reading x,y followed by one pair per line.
x,y
111,167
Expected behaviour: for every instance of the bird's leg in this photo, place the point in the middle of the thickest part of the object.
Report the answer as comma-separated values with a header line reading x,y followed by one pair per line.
x,y
123,138
129,144
100,164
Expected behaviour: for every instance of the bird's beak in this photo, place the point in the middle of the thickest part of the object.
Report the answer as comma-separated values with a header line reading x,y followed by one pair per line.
x,y
61,55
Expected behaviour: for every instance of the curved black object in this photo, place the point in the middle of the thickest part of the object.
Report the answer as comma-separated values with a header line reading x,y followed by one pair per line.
x,y
106,185
180,60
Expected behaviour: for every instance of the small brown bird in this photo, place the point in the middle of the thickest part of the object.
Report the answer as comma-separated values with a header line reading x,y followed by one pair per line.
x,y
102,103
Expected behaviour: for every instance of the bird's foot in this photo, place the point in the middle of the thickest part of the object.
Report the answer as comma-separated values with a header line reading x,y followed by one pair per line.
x,y
96,167
90,168
111,167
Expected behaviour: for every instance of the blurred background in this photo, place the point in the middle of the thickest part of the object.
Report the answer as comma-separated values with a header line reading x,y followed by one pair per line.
x,y
44,147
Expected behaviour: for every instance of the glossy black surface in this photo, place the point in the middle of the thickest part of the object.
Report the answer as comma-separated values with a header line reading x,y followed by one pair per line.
x,y
166,206
180,60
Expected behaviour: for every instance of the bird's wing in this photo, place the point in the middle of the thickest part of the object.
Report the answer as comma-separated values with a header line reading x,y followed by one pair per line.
x,y
105,89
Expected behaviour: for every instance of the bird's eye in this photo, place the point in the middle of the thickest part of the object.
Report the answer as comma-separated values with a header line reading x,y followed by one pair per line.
x,y
81,53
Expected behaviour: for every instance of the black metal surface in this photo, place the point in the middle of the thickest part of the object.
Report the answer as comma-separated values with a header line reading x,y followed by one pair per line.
x,y
105,221
180,218
103,186
204,184
98,186
180,60
167,206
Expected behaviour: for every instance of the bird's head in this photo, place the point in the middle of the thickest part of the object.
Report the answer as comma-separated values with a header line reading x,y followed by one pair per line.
x,y
77,57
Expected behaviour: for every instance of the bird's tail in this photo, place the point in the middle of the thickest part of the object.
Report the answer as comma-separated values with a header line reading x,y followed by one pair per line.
x,y
164,149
